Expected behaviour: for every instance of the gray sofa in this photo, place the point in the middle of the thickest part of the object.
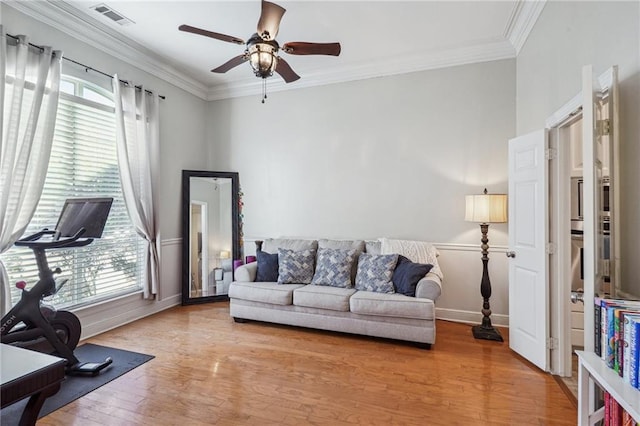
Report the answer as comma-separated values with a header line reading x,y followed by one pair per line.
x,y
386,315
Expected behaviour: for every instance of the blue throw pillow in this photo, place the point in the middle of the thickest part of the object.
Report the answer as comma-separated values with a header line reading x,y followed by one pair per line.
x,y
296,267
407,274
333,267
375,272
267,266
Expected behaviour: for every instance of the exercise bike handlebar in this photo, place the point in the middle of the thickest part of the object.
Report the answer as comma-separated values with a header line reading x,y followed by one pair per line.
x,y
33,241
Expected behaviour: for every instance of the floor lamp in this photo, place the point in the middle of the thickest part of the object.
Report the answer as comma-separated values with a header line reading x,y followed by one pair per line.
x,y
486,208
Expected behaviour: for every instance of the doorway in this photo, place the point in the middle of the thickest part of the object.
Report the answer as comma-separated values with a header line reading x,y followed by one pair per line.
x,y
571,212
543,166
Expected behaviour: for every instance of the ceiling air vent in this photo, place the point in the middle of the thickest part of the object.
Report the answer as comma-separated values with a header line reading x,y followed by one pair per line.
x,y
113,15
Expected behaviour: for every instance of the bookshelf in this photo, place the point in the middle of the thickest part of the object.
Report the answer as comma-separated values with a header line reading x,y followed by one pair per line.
x,y
592,371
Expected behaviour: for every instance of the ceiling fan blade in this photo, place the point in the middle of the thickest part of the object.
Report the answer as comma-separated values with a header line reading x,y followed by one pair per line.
x,y
303,48
218,36
270,18
285,71
231,64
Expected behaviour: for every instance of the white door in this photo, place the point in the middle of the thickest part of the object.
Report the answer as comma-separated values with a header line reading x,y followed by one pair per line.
x,y
528,237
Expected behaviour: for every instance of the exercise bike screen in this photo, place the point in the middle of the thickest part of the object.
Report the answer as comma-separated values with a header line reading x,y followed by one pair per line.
x,y
88,213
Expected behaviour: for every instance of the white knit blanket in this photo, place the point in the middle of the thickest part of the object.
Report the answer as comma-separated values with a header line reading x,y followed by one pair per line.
x,y
415,251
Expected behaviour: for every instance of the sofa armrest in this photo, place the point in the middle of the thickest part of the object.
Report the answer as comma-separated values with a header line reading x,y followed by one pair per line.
x,y
246,272
429,287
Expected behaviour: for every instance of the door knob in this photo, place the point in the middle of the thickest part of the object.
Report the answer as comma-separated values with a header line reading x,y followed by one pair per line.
x,y
511,254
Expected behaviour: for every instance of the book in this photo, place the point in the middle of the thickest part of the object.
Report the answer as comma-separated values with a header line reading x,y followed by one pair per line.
x,y
607,409
608,308
616,412
618,349
634,350
597,341
605,304
609,330
626,344
627,420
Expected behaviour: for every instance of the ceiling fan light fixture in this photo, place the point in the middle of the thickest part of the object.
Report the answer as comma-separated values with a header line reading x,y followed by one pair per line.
x,y
263,59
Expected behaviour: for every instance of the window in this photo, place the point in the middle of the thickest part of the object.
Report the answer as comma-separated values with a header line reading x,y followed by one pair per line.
x,y
84,164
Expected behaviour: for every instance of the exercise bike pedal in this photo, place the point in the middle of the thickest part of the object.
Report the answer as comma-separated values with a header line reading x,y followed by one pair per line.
x,y
92,368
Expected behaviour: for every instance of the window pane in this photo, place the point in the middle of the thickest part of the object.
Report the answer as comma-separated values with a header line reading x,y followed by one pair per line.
x,y
67,87
83,164
95,96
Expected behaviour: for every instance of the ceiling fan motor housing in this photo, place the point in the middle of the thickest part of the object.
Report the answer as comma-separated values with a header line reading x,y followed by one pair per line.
x,y
263,55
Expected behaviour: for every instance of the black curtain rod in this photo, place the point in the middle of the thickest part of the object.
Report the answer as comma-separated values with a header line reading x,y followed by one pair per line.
x,y
88,68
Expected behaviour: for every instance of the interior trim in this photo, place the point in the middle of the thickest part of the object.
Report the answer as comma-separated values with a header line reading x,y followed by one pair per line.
x,y
468,317
63,17
489,50
69,20
524,16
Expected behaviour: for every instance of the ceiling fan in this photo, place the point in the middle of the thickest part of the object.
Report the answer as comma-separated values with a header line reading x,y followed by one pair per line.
x,y
262,47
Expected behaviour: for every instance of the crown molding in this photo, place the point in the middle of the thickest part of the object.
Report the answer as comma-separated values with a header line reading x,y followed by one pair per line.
x,y
60,15
490,50
66,18
523,17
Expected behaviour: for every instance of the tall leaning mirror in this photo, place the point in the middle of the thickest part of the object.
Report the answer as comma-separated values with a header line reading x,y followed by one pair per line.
x,y
210,234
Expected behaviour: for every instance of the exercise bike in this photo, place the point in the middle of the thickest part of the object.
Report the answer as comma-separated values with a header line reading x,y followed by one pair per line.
x,y
31,324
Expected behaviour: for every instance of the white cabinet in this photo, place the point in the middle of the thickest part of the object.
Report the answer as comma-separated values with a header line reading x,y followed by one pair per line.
x,y
574,135
577,324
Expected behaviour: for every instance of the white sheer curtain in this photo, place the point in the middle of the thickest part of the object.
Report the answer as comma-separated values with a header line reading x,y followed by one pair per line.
x,y
29,93
137,136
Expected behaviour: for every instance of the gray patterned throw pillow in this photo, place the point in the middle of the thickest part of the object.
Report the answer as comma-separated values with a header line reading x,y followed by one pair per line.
x,y
334,267
295,267
375,272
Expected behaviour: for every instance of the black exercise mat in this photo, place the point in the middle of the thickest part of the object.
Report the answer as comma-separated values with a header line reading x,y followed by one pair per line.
x,y
73,387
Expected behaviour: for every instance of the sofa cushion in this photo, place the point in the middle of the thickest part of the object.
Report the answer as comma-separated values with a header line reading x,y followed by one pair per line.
x,y
295,267
391,305
267,266
357,245
407,274
375,272
276,294
323,297
333,267
271,245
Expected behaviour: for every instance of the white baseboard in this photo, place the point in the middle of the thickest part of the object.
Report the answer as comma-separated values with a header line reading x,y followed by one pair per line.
x,y
107,317
469,317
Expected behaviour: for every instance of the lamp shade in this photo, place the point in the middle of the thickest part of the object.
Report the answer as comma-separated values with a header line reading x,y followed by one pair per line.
x,y
486,208
225,254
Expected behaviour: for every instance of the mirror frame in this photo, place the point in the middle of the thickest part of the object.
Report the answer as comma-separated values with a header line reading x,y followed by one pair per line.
x,y
186,226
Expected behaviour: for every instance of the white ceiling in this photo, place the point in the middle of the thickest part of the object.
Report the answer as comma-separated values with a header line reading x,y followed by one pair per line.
x,y
377,37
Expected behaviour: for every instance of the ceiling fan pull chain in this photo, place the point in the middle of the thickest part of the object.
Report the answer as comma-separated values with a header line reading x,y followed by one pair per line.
x,y
264,89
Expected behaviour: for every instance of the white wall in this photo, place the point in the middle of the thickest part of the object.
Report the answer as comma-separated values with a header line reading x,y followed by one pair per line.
x,y
390,156
182,144
567,36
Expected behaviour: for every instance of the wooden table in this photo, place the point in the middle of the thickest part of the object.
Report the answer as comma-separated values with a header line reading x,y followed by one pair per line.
x,y
25,373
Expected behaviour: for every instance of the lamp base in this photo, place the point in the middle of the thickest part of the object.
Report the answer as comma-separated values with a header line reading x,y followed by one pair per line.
x,y
490,333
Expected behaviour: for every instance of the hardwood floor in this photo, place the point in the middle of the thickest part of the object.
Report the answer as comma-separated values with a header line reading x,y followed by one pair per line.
x,y
210,370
